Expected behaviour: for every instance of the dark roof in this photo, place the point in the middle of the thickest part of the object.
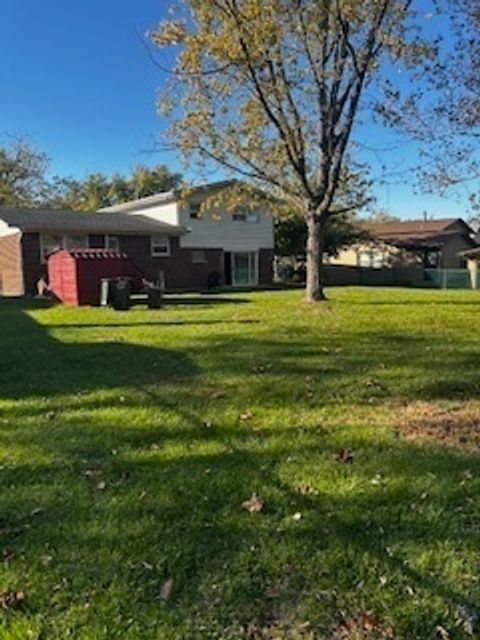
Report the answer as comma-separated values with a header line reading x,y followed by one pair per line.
x,y
420,233
55,220
170,196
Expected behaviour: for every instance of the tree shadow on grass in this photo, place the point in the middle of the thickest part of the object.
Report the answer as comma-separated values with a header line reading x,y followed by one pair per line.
x,y
374,535
33,363
293,367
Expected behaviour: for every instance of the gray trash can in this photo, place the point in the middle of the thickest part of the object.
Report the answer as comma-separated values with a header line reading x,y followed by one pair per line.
x,y
105,292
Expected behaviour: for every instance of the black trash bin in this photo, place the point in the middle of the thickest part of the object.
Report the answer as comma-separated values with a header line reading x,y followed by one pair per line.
x,y
213,280
154,297
121,291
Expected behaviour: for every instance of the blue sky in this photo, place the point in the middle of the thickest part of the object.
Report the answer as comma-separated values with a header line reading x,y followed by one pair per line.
x,y
77,80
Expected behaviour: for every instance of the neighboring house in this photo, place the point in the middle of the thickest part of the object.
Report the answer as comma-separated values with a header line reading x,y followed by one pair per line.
x,y
237,245
429,244
152,245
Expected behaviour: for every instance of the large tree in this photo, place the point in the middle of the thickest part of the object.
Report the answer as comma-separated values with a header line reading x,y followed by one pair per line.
x,y
271,89
22,174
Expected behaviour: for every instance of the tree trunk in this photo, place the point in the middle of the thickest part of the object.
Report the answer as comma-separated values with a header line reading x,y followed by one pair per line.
x,y
315,247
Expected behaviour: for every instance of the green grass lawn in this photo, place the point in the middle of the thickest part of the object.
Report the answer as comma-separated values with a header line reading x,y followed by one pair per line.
x,y
129,441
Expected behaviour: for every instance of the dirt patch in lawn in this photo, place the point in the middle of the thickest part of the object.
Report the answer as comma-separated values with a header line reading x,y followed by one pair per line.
x,y
458,426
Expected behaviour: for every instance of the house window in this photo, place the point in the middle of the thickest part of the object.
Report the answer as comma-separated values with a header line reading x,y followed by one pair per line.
x,y
377,260
112,242
195,211
160,246
246,216
54,242
75,242
199,256
239,217
49,244
431,259
364,259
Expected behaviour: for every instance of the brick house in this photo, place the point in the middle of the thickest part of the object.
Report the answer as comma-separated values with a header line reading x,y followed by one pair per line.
x,y
238,247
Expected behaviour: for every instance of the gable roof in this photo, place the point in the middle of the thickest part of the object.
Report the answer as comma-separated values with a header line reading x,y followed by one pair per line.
x,y
168,196
410,233
57,221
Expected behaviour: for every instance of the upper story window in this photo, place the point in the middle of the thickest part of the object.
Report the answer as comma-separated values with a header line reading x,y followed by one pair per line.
x,y
195,211
160,246
246,215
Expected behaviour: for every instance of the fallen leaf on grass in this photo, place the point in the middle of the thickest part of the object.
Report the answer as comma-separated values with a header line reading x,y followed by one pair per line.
x,y
261,368
217,394
11,599
166,589
92,473
466,618
246,415
297,516
345,456
255,504
101,485
8,555
363,627
306,490
280,630
442,632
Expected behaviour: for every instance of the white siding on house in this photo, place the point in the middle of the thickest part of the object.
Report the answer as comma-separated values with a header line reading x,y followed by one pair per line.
x,y
165,212
212,231
222,232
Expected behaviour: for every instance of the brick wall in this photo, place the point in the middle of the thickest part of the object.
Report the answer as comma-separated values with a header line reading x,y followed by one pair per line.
x,y
265,266
181,272
179,269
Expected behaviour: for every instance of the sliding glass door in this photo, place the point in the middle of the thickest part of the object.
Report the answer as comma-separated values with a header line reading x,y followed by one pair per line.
x,y
244,269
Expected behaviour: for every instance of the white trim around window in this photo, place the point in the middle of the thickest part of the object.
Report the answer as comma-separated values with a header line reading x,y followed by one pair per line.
x,y
50,242
160,246
112,242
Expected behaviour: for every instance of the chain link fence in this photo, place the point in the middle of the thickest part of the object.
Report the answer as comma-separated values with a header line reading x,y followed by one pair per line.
x,y
452,279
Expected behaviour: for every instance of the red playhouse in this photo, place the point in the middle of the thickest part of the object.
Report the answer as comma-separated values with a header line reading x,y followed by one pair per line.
x,y
75,276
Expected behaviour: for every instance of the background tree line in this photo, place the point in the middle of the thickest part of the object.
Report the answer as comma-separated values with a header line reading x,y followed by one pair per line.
x,y
24,182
